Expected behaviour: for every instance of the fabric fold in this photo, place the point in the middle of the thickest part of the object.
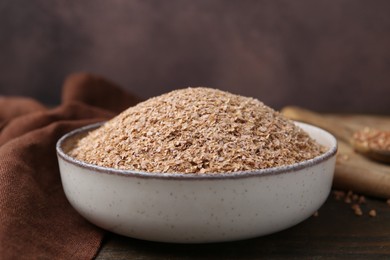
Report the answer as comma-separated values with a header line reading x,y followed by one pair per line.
x,y
36,220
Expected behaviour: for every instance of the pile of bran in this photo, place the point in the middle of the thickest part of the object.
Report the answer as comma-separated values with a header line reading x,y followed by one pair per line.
x,y
197,130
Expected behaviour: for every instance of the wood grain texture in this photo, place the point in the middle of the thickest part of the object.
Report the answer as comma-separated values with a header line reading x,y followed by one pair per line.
x,y
336,233
353,171
360,174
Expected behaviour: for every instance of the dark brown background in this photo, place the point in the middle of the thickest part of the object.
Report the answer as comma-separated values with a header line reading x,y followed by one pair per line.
x,y
324,55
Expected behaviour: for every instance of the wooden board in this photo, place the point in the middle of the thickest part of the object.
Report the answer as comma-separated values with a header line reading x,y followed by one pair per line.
x,y
353,171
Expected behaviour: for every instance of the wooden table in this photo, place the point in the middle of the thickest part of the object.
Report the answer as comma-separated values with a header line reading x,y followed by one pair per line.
x,y
336,233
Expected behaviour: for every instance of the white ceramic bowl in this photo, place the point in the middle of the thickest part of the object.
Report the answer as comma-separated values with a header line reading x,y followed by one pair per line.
x,y
197,208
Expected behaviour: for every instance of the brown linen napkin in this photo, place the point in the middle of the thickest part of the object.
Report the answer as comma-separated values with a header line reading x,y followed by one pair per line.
x,y
36,220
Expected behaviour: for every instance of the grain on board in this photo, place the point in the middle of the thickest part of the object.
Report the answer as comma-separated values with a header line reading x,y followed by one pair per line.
x,y
373,138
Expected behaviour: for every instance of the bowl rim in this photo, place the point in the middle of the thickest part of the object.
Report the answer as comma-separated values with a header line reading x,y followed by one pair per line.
x,y
196,176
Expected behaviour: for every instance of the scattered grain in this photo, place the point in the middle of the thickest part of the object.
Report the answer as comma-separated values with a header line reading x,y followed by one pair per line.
x,y
338,195
373,138
357,202
197,130
357,210
350,196
362,199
